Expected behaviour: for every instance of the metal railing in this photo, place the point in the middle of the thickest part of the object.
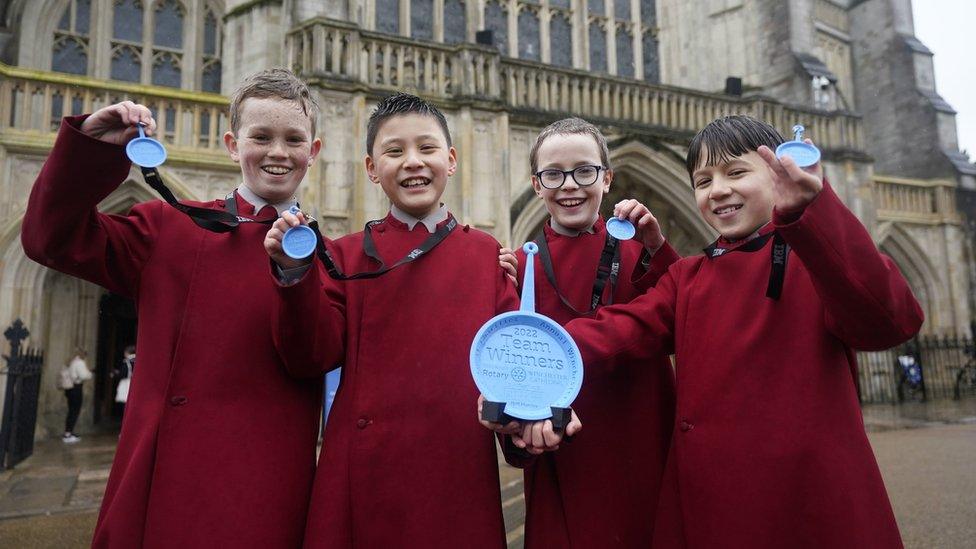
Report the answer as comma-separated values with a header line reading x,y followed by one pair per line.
x,y
882,380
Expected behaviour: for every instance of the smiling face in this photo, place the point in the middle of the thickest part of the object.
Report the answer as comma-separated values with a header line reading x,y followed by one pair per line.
x,y
571,205
274,146
411,161
735,196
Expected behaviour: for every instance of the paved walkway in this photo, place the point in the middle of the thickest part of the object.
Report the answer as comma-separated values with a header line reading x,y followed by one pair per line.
x,y
927,453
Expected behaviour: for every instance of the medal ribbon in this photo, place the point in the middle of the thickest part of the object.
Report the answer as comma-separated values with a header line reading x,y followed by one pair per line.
x,y
609,268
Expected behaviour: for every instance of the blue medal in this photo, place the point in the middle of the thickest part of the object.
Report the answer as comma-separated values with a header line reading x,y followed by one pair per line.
x,y
804,154
524,363
621,229
145,151
299,241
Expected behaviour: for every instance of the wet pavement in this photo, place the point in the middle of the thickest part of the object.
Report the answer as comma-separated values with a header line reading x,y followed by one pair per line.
x,y
926,451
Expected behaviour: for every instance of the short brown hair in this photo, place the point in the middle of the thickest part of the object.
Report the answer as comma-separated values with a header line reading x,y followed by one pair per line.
x,y
276,84
569,126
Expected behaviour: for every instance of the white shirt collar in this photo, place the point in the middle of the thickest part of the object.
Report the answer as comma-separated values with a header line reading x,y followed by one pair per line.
x,y
258,202
566,231
430,222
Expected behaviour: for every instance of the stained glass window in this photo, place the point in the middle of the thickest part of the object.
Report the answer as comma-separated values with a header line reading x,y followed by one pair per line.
x,y
621,9
455,22
598,48
388,16
649,47
126,64
496,20
211,77
625,53
127,20
648,13
210,34
528,35
560,40
168,28
422,19
166,70
70,56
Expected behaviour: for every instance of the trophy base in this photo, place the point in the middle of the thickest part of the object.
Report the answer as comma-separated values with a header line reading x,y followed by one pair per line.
x,y
495,413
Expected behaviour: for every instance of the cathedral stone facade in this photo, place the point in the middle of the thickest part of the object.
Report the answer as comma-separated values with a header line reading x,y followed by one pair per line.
x,y
649,72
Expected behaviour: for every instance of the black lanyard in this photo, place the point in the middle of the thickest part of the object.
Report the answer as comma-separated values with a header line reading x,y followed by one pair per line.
x,y
778,256
220,221
609,268
217,221
369,247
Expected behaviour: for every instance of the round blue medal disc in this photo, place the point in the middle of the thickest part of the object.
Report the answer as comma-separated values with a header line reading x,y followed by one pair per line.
x,y
621,229
145,151
299,242
804,154
527,361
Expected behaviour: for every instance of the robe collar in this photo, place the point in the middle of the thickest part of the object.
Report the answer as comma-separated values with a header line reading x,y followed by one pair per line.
x,y
254,200
430,222
754,242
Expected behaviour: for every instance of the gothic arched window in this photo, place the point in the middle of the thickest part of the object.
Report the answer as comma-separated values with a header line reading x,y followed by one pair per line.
x,y
625,52
649,47
621,9
528,34
211,54
455,22
496,20
561,40
71,40
598,47
422,19
388,16
167,53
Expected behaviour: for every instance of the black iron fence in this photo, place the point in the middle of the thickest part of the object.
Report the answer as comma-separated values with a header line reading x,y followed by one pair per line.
x,y
925,368
23,373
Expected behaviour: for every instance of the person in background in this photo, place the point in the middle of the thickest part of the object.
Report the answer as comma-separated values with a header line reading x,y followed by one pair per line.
x,y
73,375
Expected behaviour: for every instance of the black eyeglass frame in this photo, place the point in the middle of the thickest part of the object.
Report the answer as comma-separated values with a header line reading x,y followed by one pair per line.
x,y
572,173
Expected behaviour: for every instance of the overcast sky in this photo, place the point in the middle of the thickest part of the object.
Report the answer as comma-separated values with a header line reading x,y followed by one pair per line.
x,y
947,28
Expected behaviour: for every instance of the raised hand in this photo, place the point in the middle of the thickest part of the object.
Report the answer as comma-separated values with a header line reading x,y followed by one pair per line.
x,y
793,187
272,241
648,229
117,123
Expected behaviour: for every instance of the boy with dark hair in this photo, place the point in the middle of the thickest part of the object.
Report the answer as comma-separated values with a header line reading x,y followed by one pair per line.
x,y
218,442
769,448
404,462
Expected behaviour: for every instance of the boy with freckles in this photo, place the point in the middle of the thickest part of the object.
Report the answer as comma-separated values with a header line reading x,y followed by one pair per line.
x,y
404,462
218,442
769,448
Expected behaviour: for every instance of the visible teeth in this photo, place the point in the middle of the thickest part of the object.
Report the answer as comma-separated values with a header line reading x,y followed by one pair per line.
x,y
276,170
417,182
727,209
571,203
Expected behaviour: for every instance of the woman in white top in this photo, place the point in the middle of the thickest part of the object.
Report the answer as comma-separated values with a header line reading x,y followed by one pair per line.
x,y
73,375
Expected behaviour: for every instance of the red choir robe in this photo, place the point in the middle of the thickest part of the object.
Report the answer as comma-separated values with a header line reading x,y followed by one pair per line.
x,y
601,489
769,448
405,462
218,443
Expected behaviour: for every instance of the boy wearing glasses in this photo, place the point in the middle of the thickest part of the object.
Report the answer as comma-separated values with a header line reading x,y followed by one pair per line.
x,y
602,489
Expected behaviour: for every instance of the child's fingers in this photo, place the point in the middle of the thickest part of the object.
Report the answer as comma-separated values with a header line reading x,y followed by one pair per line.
x,y
575,425
778,165
550,436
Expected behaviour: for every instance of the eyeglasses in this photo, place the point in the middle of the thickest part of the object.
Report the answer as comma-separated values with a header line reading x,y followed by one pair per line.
x,y
584,176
